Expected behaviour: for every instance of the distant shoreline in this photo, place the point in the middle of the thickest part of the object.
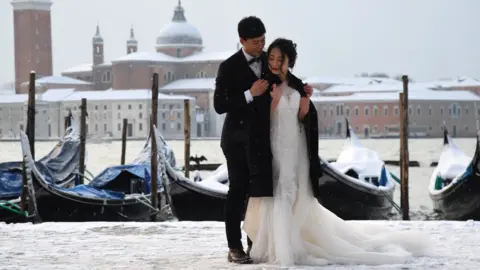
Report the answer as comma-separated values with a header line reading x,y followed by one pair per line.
x,y
218,138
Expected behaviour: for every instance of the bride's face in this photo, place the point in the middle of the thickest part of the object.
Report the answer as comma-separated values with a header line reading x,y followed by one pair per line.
x,y
277,63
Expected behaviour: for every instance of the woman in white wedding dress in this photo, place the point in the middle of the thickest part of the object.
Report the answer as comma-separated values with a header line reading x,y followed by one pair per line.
x,y
292,228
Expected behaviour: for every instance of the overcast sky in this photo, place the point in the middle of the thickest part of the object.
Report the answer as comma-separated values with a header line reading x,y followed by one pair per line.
x,y
426,39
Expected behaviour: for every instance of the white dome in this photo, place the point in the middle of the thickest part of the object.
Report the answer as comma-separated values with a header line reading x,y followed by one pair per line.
x,y
179,33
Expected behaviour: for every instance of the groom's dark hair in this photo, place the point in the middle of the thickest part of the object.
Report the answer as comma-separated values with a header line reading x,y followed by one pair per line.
x,y
251,27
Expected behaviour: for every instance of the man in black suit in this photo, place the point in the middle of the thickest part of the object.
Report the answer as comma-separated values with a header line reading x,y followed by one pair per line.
x,y
239,82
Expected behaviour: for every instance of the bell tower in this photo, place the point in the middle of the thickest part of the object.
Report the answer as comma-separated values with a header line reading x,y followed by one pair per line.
x,y
32,39
97,43
132,43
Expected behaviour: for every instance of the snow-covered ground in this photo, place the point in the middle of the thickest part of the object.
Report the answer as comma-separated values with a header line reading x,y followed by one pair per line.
x,y
191,245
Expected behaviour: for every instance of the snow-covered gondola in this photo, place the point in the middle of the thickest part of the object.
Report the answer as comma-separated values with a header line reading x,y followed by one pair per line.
x,y
118,193
358,185
455,183
61,163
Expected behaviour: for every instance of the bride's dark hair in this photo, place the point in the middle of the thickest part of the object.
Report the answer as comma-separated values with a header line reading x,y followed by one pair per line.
x,y
287,48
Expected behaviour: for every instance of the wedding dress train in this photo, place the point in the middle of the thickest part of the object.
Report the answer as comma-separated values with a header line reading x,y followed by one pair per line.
x,y
292,228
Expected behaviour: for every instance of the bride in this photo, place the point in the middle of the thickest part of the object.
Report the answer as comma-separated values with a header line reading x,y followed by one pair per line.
x,y
292,228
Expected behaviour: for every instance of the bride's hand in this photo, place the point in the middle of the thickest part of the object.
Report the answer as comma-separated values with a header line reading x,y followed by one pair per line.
x,y
276,92
304,107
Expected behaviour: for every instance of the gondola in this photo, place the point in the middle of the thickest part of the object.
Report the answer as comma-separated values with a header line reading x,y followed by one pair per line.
x,y
62,166
189,200
362,189
455,182
118,193
358,186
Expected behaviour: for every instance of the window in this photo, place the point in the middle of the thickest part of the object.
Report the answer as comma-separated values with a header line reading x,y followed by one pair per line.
x,y
430,110
375,111
140,106
119,127
104,107
129,106
395,110
385,110
366,111
331,111
179,52
202,74
140,115
409,110
96,107
324,113
140,126
441,111
347,111
106,77
466,110
356,110
105,127
179,126
119,107
168,77
419,110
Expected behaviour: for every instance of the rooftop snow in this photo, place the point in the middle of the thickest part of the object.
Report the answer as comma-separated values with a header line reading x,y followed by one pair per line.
x,y
425,94
347,80
146,56
161,57
381,87
56,94
459,82
207,56
79,68
191,84
137,94
58,80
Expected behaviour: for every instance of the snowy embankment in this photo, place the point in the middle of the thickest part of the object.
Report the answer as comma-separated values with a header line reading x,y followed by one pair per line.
x,y
190,245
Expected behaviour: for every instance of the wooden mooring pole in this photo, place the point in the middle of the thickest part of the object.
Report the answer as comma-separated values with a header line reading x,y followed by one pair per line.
x,y
83,139
186,130
124,141
404,156
31,138
154,154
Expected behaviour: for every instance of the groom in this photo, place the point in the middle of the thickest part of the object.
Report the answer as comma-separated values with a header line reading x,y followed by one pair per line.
x,y
240,82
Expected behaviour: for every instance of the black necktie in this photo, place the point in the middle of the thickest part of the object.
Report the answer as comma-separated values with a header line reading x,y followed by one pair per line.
x,y
253,60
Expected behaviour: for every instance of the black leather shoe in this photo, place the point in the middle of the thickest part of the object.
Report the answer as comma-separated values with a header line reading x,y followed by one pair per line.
x,y
237,255
249,248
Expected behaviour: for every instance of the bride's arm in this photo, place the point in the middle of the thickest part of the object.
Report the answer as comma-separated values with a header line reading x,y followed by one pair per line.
x,y
274,105
304,108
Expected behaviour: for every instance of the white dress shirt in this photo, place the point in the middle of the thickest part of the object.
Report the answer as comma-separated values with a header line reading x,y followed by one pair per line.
x,y
257,69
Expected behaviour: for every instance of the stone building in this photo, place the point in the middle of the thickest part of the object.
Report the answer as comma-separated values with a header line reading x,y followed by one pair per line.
x,y
178,55
377,114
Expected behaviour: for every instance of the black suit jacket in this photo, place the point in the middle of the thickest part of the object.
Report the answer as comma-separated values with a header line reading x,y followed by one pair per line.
x,y
235,77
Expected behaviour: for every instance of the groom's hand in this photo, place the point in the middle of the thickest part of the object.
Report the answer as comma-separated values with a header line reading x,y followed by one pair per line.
x,y
308,89
258,88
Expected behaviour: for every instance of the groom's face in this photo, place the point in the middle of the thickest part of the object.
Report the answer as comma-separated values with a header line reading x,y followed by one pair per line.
x,y
253,46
